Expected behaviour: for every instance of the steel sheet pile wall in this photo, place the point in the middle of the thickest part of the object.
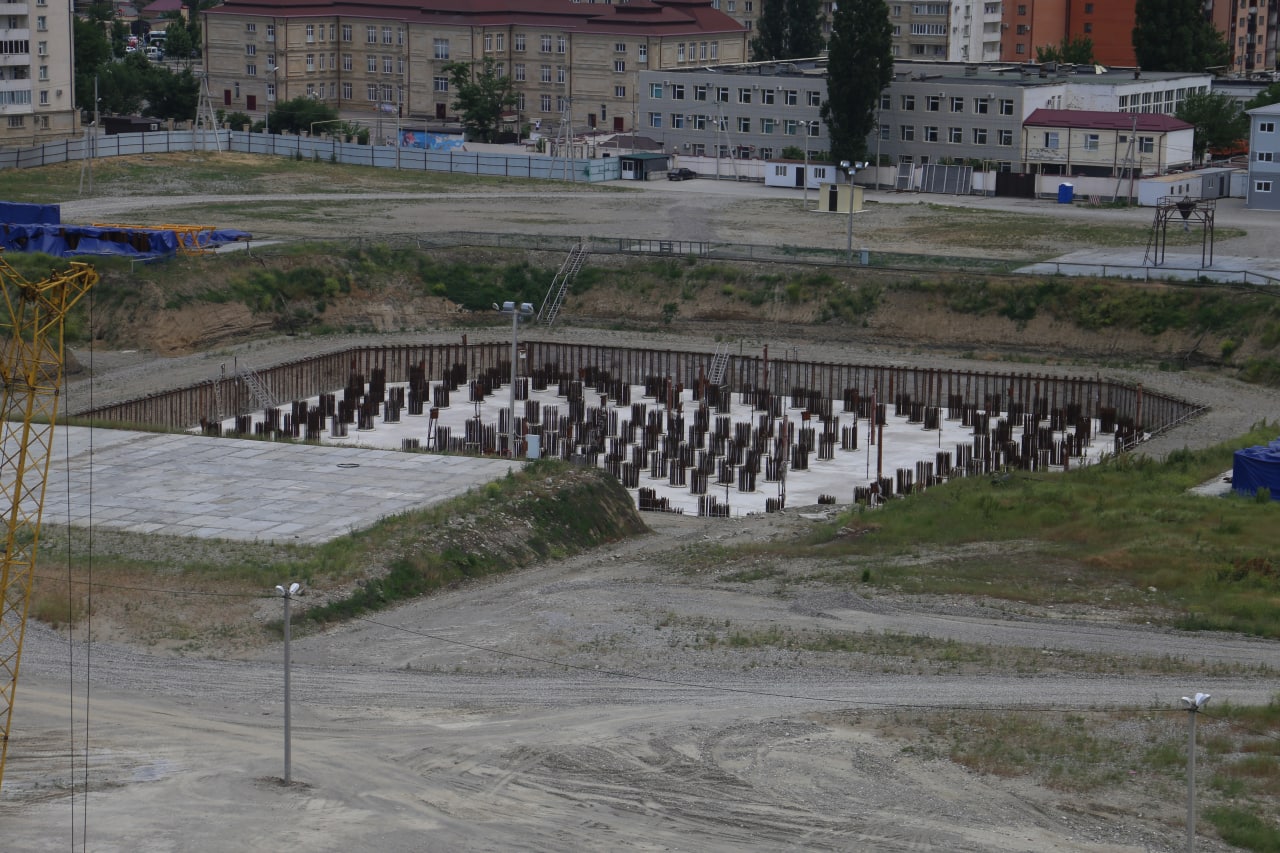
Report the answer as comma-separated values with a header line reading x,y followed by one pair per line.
x,y
184,408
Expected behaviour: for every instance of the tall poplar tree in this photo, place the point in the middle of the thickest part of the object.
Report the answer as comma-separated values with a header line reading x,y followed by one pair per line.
x,y
1175,35
788,29
859,67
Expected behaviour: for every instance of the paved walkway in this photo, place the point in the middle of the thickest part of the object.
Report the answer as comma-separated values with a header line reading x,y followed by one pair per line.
x,y
185,485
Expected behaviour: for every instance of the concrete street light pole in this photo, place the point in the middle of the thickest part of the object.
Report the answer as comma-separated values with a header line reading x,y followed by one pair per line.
x,y
1193,706
287,595
852,168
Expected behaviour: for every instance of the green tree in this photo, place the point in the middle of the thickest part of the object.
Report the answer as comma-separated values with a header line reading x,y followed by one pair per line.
x,y
172,96
122,86
1076,51
177,42
480,96
92,51
859,67
788,29
297,115
1218,120
1174,35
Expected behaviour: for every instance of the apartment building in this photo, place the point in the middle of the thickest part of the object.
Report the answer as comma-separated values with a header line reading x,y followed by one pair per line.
x,y
1031,24
388,57
1251,30
37,96
932,112
976,31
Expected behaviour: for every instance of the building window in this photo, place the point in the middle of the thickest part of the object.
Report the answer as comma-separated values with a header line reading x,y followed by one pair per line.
x,y
722,94
1147,144
767,125
642,53
545,102
886,101
371,64
908,102
1006,106
44,97
791,97
488,42
544,73
619,47
250,28
677,91
346,62
1264,156
1004,137
1262,186
518,44
562,44
251,70
744,124
744,96
814,98
500,42
680,52
955,135
702,50
979,136
1267,127
655,119
677,120
619,66
1051,140
249,50
544,44
441,47
346,91
346,32
815,128
767,96
930,133
42,25
907,132
933,103
311,62
957,105
371,37
371,91
311,32
884,131
439,83
715,50
1091,142
519,72
560,74
619,91
981,105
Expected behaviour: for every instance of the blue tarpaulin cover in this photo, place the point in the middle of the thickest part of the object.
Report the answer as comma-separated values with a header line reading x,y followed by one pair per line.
x,y
1257,468
17,211
70,240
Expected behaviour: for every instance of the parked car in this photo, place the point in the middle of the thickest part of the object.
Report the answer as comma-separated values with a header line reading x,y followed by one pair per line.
x,y
681,174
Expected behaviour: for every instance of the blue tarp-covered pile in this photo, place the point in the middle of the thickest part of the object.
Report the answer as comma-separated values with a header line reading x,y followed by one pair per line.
x,y
37,228
1257,468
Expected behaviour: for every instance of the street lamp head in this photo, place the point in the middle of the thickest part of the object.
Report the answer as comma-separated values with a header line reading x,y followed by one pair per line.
x,y
844,164
526,308
294,589
1197,702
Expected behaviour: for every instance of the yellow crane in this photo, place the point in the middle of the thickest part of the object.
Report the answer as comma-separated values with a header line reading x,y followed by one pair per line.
x,y
31,367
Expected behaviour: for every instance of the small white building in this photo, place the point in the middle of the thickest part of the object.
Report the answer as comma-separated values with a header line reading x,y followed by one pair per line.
x,y
798,174
1201,183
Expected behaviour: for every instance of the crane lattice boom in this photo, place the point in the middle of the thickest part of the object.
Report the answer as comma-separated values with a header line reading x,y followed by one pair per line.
x,y
31,366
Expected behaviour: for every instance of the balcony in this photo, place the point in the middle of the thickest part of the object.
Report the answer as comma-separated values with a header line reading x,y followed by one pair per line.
x,y
7,9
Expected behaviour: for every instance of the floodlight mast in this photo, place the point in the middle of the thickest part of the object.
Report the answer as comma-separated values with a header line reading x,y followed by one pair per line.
x,y
517,311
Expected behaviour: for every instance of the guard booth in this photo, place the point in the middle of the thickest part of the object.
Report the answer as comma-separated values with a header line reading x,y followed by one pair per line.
x,y
836,198
638,167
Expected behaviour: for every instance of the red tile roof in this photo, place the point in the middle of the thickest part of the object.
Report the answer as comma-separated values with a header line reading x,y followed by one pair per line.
x,y
1099,120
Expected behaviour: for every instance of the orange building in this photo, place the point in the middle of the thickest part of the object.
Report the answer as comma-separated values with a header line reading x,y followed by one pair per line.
x,y
1030,24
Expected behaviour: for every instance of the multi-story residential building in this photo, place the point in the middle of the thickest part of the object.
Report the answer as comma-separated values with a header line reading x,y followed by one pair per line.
x,y
1263,191
920,30
1251,30
37,96
388,57
1031,24
932,112
975,31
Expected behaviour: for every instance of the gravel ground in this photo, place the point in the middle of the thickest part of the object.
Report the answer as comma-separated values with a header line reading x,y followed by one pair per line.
x,y
573,706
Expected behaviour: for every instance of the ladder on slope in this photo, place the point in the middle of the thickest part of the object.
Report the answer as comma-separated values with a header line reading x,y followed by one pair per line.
x,y
719,365
560,284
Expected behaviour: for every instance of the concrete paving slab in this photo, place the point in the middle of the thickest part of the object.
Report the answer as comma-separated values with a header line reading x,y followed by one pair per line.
x,y
190,485
1180,265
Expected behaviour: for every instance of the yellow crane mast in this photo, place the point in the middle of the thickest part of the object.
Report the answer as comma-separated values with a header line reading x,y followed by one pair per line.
x,y
31,366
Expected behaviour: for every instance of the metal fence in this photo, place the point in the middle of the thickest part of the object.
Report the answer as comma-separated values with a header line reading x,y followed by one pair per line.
x,y
317,149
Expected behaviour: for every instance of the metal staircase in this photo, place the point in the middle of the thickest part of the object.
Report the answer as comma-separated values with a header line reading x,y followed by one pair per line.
x,y
560,284
257,388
